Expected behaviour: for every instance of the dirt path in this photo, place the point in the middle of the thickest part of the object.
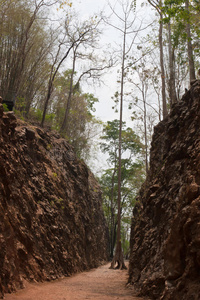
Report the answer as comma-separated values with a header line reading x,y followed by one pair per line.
x,y
97,284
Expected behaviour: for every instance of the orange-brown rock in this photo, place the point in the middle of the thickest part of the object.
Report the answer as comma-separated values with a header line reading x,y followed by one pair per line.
x,y
165,237
51,218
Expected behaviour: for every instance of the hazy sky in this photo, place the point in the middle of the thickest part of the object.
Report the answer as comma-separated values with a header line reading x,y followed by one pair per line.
x,y
86,8
105,91
104,111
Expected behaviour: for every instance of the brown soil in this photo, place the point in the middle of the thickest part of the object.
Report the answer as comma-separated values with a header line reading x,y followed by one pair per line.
x,y
102,283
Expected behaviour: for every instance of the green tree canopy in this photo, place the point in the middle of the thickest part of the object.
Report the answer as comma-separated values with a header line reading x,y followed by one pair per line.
x,y
132,175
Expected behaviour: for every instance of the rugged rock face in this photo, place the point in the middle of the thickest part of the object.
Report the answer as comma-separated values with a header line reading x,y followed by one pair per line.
x,y
165,237
51,219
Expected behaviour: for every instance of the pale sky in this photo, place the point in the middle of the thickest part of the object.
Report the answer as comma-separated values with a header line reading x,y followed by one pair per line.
x,y
86,8
104,92
104,111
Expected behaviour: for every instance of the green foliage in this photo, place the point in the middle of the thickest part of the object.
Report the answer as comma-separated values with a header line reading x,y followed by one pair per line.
x,y
81,122
91,100
176,13
130,141
19,107
132,175
5,107
126,223
23,55
38,114
54,175
49,118
49,147
59,202
35,115
30,53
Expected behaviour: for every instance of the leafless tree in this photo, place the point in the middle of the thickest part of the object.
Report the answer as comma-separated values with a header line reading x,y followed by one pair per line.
x,y
83,50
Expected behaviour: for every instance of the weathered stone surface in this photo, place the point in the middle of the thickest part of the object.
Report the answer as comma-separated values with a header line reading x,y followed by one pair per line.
x,y
165,237
51,219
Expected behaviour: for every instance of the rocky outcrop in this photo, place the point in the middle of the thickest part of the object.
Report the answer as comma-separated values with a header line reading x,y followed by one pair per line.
x,y
51,218
165,236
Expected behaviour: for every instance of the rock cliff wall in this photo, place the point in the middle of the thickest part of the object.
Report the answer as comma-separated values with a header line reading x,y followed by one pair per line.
x,y
165,236
51,218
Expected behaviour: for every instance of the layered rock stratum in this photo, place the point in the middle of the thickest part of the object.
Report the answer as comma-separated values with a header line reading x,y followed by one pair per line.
x,y
51,217
165,236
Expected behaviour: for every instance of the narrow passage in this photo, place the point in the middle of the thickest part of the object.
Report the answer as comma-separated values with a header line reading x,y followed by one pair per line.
x,y
97,284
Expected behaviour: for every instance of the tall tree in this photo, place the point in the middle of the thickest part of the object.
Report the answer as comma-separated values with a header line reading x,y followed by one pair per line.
x,y
83,55
78,43
158,4
141,77
24,48
125,16
189,42
184,15
172,86
82,125
55,66
24,29
131,172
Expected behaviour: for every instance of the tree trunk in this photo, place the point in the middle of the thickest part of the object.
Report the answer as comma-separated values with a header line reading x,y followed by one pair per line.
x,y
64,124
49,92
113,239
145,133
162,66
189,44
172,89
21,55
112,229
118,257
158,6
52,78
